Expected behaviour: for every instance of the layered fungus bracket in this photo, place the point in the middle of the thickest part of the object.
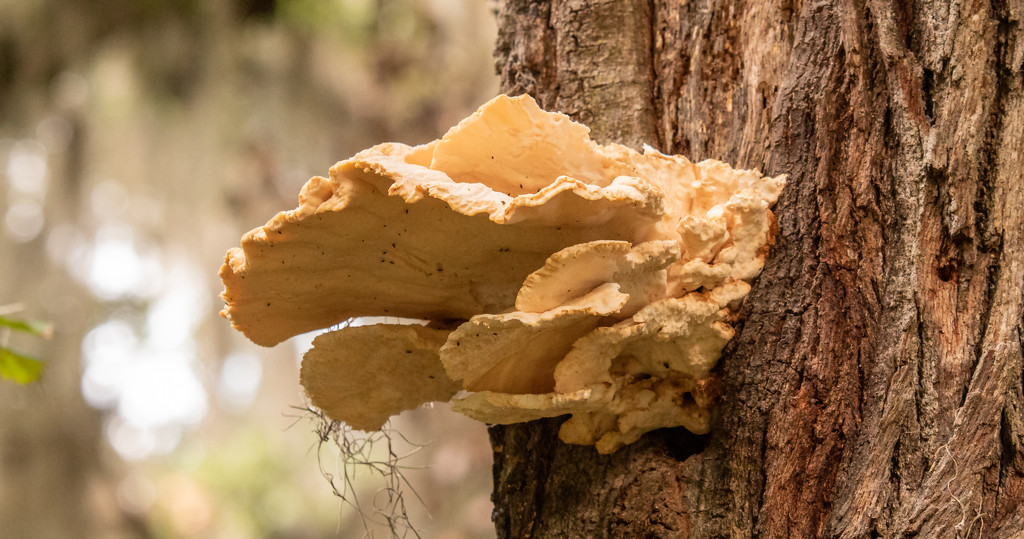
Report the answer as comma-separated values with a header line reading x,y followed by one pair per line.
x,y
552,275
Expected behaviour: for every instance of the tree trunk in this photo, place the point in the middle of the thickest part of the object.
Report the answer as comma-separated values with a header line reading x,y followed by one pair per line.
x,y
874,384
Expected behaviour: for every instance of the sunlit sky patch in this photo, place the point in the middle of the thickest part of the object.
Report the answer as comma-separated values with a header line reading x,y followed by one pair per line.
x,y
26,169
119,265
149,372
23,220
143,369
239,379
26,176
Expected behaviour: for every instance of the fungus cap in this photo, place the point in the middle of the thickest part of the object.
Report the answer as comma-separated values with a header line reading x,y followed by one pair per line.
x,y
343,371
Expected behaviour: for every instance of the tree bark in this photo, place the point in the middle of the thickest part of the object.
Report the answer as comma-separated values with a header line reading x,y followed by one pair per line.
x,y
874,386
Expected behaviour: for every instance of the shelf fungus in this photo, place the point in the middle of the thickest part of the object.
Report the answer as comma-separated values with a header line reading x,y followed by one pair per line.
x,y
552,276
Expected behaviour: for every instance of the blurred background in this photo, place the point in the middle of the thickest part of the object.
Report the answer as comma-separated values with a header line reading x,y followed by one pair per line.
x,y
139,139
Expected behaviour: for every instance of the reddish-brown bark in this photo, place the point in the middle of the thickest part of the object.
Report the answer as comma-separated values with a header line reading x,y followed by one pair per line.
x,y
874,384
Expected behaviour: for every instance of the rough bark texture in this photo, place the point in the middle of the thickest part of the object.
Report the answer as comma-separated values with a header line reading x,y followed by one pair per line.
x,y
874,384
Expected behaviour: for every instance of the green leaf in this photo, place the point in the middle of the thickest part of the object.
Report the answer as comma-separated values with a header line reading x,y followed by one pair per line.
x,y
19,368
41,329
